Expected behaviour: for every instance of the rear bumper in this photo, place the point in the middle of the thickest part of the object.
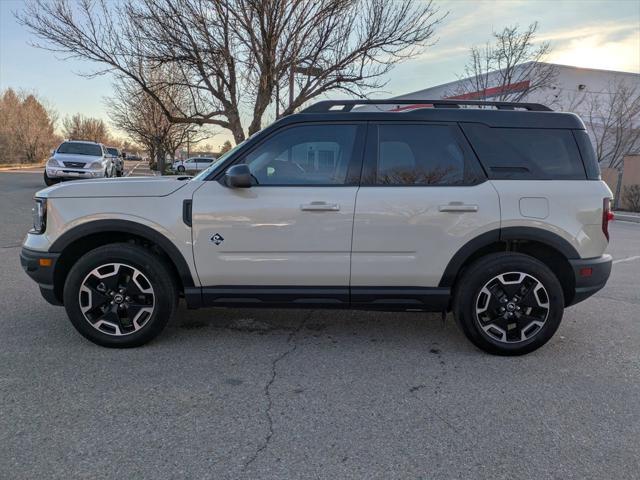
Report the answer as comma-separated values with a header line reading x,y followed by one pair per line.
x,y
42,275
590,281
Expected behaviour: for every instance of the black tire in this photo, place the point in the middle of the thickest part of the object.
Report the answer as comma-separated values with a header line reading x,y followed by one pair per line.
x,y
48,181
158,275
180,169
471,298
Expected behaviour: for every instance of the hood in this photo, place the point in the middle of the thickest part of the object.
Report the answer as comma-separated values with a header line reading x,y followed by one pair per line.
x,y
70,157
112,187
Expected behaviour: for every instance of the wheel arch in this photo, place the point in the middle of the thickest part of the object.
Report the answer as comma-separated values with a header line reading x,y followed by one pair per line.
x,y
548,247
85,237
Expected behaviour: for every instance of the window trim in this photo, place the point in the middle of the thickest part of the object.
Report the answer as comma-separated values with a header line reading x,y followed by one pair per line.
x,y
354,169
370,165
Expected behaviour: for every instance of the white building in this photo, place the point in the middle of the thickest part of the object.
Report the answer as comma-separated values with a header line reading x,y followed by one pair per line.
x,y
573,88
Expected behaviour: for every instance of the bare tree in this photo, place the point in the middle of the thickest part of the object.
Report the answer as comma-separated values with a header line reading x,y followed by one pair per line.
x,y
27,130
235,57
226,146
509,68
133,111
613,121
79,127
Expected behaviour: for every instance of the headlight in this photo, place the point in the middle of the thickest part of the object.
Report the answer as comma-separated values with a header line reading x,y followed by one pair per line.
x,y
39,216
95,165
52,162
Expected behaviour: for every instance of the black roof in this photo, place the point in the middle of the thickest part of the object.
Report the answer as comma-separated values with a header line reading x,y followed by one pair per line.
x,y
493,114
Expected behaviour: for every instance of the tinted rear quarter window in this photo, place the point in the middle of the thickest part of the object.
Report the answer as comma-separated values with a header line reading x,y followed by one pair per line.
x,y
526,153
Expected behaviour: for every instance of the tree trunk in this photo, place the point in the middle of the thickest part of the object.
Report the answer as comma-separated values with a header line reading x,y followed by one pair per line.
x,y
235,125
160,157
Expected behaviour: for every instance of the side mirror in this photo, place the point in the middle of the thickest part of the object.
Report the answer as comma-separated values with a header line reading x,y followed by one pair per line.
x,y
238,176
53,152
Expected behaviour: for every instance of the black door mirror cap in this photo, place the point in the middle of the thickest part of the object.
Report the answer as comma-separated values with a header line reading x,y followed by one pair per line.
x,y
238,176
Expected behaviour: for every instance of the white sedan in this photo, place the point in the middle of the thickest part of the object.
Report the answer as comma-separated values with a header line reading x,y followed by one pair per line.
x,y
192,164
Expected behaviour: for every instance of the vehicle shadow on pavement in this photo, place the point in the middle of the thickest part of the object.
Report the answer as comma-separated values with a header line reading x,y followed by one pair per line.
x,y
405,329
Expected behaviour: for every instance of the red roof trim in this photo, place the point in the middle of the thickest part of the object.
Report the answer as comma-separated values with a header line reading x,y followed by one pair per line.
x,y
488,92
493,91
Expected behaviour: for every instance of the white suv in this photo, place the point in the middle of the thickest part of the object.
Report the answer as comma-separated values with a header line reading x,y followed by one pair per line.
x,y
495,213
78,159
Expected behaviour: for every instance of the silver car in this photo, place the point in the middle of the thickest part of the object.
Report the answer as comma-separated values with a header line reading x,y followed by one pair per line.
x,y
118,160
78,159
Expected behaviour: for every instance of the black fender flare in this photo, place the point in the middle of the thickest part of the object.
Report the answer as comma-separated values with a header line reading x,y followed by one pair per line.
x,y
130,227
540,235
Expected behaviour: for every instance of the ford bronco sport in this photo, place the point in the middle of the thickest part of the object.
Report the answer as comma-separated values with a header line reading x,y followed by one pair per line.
x,y
492,210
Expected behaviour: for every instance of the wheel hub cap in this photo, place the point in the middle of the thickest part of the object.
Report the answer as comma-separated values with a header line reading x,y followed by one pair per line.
x,y
116,299
512,307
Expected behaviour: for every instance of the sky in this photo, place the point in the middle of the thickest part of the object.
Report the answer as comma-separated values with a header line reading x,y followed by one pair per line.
x,y
586,33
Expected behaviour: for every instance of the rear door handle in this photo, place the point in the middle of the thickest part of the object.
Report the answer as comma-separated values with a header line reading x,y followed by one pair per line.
x,y
320,207
457,207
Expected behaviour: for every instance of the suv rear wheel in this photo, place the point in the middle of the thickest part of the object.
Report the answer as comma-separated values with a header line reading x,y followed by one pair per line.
x,y
120,295
508,303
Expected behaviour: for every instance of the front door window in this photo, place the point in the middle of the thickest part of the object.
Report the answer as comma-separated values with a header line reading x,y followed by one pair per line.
x,y
305,155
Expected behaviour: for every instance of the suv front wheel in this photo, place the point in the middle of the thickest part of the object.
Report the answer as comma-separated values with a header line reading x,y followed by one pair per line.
x,y
508,303
48,181
120,295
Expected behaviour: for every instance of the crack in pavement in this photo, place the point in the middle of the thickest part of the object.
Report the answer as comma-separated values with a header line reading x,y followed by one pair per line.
x,y
267,390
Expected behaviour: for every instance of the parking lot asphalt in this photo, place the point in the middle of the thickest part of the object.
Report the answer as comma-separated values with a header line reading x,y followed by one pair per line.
x,y
315,394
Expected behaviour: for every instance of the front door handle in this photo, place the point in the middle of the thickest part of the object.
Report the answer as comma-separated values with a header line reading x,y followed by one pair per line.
x,y
320,207
457,207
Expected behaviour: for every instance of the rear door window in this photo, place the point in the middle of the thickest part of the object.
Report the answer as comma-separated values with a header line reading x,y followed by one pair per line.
x,y
422,154
526,153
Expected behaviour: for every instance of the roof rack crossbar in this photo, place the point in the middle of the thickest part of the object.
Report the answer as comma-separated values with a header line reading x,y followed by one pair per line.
x,y
347,105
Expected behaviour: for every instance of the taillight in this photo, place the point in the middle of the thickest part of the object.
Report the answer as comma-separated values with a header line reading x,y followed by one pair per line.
x,y
607,216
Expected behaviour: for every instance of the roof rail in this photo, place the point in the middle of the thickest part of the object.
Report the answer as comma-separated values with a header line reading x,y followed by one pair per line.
x,y
347,105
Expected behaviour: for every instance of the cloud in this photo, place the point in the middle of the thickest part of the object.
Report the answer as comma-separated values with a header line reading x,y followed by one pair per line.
x,y
598,29
596,51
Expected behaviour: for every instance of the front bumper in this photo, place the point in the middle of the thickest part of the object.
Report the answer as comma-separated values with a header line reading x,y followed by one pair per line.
x,y
591,274
73,173
40,266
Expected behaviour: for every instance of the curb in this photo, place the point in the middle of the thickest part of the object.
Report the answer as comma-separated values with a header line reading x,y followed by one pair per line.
x,y
21,169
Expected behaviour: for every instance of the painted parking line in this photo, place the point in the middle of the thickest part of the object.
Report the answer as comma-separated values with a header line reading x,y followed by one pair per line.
x,y
627,259
131,171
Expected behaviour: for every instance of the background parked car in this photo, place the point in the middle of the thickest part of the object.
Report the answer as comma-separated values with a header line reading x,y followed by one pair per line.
x,y
118,160
192,164
78,159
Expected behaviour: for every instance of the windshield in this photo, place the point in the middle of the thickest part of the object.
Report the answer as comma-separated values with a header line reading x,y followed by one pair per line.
x,y
113,151
205,173
76,148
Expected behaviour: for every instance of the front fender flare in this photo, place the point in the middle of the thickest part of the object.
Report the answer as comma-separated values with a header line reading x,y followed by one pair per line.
x,y
131,227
